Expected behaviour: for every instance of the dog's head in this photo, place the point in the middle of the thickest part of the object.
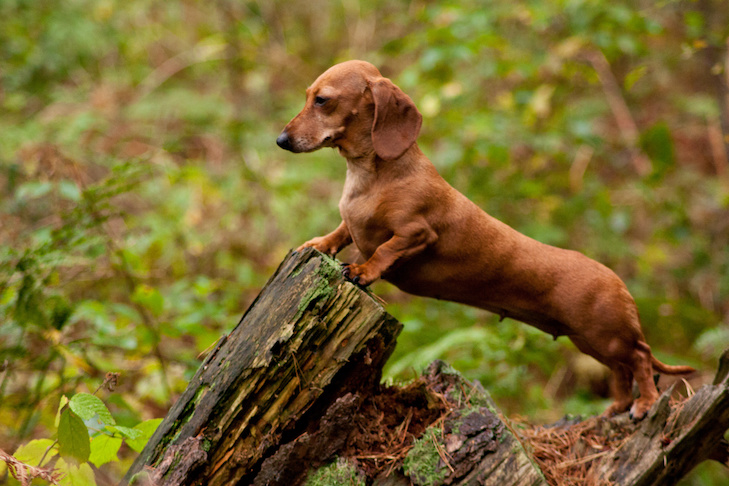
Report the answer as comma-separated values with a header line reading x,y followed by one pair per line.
x,y
352,107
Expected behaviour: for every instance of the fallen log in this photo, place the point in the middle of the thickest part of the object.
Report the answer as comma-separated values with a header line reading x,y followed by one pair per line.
x,y
293,394
676,436
672,440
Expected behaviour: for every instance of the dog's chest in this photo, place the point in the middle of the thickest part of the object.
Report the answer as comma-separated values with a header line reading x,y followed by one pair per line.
x,y
359,196
361,209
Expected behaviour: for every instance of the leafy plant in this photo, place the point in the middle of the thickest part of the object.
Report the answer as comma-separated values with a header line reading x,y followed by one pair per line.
x,y
86,435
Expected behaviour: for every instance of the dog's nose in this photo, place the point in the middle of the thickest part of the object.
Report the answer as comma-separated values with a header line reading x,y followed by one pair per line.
x,y
284,141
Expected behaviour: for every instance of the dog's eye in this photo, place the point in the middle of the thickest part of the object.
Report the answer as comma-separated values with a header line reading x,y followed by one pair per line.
x,y
320,101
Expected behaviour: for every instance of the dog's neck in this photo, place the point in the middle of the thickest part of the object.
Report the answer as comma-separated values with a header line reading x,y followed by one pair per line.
x,y
366,171
370,163
365,164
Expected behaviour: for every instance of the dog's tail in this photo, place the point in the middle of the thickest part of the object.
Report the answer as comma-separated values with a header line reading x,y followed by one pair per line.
x,y
670,370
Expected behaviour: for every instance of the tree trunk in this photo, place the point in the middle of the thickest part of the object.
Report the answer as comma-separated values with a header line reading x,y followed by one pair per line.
x,y
297,384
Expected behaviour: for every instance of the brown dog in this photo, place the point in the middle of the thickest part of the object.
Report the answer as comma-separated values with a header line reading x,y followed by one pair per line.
x,y
419,233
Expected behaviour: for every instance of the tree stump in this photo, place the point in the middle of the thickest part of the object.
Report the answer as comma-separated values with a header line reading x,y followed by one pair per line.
x,y
309,338
293,395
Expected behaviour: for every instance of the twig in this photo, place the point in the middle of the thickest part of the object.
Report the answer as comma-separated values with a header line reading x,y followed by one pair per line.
x,y
626,125
442,453
201,52
577,174
110,381
582,460
48,449
127,273
718,151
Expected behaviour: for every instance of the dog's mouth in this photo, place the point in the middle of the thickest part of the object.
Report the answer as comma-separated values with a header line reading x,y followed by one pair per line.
x,y
332,139
296,145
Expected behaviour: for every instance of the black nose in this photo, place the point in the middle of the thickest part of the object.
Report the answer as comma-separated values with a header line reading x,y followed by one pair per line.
x,y
284,141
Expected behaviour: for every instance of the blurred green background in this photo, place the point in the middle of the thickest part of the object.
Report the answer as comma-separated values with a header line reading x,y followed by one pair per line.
x,y
144,203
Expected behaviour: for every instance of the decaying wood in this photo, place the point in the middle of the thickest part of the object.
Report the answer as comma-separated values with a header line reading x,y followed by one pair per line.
x,y
671,442
476,446
294,393
466,443
309,338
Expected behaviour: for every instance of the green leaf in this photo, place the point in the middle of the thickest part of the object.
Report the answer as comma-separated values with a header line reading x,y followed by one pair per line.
x,y
81,475
63,403
86,406
634,76
104,449
69,190
32,190
127,432
147,428
73,437
658,144
32,452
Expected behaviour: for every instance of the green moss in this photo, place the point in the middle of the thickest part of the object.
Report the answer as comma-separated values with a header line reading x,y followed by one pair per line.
x,y
518,450
339,473
327,271
422,463
329,267
206,444
444,368
199,394
474,395
478,397
187,414
175,462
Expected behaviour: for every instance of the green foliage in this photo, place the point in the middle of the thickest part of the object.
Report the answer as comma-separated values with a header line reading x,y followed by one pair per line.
x,y
86,433
144,202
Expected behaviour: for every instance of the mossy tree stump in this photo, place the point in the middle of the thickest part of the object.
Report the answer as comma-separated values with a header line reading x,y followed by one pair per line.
x,y
309,338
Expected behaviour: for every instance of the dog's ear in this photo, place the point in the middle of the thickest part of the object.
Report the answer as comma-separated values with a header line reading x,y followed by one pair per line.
x,y
397,120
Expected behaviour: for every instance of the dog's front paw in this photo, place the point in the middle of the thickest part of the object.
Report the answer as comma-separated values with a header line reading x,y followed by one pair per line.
x,y
359,274
321,244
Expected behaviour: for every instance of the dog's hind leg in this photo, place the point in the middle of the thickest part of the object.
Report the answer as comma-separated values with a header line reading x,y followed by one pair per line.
x,y
622,390
621,385
643,372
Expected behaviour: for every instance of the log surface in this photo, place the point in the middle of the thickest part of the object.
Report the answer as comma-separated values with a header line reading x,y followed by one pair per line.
x,y
671,442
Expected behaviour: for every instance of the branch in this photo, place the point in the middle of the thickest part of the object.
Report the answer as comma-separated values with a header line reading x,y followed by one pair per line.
x,y
626,124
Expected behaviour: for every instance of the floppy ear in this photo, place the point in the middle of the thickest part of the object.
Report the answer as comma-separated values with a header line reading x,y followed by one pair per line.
x,y
397,120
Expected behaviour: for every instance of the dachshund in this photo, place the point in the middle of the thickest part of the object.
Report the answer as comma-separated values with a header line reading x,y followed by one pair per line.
x,y
416,231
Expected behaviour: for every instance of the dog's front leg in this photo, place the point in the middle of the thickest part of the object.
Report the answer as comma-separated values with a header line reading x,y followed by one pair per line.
x,y
332,243
410,240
